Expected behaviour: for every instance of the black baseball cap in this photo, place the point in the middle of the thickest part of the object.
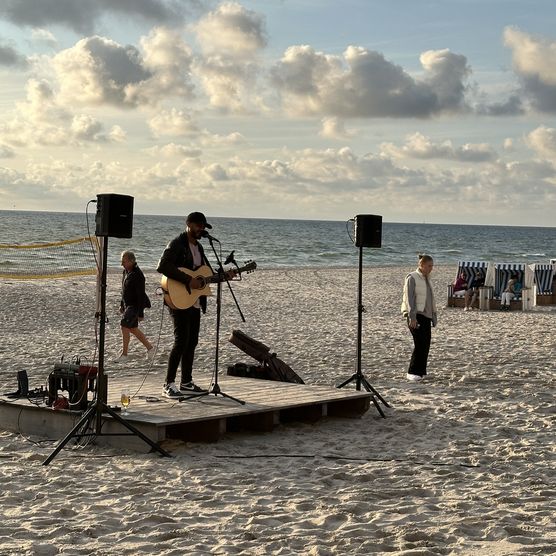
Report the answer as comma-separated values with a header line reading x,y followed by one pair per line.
x,y
198,218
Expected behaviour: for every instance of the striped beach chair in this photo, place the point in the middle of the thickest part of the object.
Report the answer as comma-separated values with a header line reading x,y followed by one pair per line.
x,y
471,269
544,283
502,274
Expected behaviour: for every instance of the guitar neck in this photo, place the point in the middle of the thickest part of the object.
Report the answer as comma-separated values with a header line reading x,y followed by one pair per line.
x,y
215,278
221,277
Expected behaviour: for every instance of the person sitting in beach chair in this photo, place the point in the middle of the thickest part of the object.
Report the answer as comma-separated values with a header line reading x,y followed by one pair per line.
x,y
513,288
467,271
460,284
473,290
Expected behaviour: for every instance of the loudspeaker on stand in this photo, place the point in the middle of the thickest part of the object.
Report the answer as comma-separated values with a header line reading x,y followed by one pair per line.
x,y
368,230
114,216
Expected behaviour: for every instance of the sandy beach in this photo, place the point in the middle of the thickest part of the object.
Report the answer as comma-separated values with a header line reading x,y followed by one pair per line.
x,y
464,463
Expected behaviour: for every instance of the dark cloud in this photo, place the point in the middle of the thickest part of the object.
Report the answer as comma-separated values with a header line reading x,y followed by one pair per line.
x,y
534,62
362,83
11,57
82,15
97,70
513,106
541,95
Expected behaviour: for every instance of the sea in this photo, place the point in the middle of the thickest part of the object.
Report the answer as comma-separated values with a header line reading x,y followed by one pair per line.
x,y
280,243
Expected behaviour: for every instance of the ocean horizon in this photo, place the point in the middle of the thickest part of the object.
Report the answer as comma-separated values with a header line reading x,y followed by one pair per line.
x,y
292,243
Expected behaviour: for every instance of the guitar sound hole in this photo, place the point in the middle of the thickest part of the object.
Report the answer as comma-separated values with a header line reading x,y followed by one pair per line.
x,y
202,280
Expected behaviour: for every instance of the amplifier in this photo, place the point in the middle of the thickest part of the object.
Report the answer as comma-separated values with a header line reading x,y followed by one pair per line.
x,y
76,379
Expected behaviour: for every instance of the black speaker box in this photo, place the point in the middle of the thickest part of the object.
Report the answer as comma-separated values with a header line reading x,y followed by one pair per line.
x,y
368,230
114,215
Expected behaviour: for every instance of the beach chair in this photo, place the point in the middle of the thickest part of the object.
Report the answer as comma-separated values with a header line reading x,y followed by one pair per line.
x,y
471,269
544,284
502,274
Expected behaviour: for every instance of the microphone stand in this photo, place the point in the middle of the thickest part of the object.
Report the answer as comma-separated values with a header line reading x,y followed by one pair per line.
x,y
214,386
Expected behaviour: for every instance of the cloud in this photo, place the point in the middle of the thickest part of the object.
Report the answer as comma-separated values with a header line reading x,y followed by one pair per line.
x,y
100,71
229,85
83,15
215,172
307,183
334,128
445,73
117,134
86,128
362,83
509,144
214,140
173,122
177,123
10,57
534,61
421,147
41,120
172,150
45,37
231,30
97,70
513,106
6,152
231,38
543,141
168,59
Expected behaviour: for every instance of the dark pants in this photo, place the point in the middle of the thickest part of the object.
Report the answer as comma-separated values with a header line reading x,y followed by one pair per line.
x,y
422,341
186,336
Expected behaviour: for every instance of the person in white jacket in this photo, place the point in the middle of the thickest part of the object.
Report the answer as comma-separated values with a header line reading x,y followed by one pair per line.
x,y
419,308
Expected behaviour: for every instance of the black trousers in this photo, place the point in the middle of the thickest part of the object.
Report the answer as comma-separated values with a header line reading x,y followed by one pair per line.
x,y
422,341
186,336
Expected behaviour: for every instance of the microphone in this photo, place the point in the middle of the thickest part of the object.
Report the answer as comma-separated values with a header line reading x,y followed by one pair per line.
x,y
230,258
204,233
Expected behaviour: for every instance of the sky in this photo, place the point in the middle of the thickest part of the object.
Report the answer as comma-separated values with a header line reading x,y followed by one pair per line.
x,y
439,111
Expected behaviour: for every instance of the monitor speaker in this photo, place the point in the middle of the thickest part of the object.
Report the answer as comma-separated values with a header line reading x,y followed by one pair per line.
x,y
368,230
114,215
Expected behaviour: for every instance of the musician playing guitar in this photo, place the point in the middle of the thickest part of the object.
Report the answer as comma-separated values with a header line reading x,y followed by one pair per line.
x,y
185,251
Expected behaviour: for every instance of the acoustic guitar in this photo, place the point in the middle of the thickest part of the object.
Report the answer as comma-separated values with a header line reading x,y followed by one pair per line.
x,y
177,295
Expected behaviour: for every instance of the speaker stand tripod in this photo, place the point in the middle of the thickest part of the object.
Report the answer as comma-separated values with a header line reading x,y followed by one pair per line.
x,y
214,386
358,377
93,415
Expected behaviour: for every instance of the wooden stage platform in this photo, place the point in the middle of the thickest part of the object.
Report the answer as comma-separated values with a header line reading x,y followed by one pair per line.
x,y
202,419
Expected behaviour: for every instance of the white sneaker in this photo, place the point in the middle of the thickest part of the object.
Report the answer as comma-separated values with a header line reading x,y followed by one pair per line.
x,y
466,308
414,378
171,391
150,353
122,358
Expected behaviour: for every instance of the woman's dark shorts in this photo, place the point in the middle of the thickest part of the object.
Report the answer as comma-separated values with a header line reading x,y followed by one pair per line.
x,y
131,317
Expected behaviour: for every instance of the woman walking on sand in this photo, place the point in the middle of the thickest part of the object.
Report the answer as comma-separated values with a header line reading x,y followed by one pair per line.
x,y
419,308
134,302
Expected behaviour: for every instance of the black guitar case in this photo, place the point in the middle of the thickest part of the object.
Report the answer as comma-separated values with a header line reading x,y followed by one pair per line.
x,y
275,368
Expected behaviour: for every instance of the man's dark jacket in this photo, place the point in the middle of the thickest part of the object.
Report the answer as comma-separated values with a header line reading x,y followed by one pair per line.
x,y
178,254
